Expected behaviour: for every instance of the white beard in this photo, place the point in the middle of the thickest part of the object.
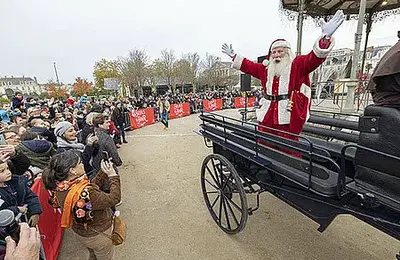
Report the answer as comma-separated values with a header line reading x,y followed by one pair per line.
x,y
279,68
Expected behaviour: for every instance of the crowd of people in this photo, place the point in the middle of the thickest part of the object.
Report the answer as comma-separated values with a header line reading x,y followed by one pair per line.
x,y
195,99
71,146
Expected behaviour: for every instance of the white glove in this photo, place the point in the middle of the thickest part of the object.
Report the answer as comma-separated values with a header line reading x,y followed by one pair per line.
x,y
329,28
228,50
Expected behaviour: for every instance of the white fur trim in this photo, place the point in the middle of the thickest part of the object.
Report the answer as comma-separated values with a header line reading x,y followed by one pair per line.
x,y
280,44
237,62
323,53
262,111
283,112
265,62
284,81
306,91
283,89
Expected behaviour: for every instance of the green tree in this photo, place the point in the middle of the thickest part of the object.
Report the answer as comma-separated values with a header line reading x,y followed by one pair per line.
x,y
104,69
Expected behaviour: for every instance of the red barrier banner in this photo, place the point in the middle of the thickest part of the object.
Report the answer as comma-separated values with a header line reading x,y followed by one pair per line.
x,y
49,222
240,102
212,105
179,110
142,117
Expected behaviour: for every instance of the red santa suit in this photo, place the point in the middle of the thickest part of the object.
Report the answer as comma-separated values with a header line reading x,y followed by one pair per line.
x,y
293,84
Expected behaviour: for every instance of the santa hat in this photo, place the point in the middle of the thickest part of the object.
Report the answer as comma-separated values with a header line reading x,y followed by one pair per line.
x,y
275,44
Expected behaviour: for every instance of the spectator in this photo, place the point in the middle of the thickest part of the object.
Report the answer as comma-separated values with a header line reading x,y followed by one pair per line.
x,y
19,119
28,246
66,138
164,110
38,151
118,117
17,196
18,101
39,127
17,161
106,143
71,100
88,127
86,208
5,112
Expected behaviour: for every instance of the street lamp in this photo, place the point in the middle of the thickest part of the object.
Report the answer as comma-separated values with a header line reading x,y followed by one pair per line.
x,y
55,70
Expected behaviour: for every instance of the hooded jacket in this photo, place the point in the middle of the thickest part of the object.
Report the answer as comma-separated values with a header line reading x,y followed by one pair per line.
x,y
39,152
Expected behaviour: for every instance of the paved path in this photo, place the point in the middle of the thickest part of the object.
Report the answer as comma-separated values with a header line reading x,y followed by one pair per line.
x,y
163,203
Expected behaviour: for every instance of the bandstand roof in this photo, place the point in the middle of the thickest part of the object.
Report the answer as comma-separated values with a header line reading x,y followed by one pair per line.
x,y
318,8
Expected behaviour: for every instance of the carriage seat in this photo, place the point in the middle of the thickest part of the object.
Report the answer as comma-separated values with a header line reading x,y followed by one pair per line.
x,y
379,130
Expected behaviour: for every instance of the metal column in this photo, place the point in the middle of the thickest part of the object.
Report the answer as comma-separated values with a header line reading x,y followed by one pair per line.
x,y
357,39
300,19
351,86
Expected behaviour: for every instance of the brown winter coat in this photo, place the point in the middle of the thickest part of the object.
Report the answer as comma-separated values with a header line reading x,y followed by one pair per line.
x,y
101,203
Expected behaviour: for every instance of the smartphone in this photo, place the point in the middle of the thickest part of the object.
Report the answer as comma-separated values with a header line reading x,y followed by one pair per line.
x,y
107,157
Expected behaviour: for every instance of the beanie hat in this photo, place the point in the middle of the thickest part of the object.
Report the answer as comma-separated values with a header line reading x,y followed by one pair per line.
x,y
62,127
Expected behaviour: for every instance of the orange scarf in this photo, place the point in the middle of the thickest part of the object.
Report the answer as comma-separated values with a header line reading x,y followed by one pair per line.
x,y
70,201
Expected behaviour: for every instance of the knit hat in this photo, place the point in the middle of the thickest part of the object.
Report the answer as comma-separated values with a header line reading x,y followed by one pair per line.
x,y
62,127
275,44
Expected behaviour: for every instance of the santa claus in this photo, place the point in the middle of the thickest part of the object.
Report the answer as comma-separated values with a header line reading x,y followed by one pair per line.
x,y
285,80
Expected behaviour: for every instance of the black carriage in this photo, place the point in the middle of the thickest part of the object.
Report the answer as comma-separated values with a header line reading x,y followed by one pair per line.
x,y
337,167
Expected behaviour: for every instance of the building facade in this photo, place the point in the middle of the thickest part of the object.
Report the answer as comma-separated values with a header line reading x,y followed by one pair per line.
x,y
338,63
25,85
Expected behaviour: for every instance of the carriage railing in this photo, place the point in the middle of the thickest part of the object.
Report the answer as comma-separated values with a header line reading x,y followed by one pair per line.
x,y
223,122
342,174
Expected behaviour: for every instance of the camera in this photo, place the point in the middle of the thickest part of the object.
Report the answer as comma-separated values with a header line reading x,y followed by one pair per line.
x,y
9,224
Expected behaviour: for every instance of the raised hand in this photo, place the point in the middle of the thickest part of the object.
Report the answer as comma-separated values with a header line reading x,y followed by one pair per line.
x,y
329,28
28,246
228,50
108,168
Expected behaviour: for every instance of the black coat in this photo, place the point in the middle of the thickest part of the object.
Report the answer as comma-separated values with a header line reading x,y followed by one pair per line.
x,y
16,103
118,116
45,133
16,194
87,130
19,163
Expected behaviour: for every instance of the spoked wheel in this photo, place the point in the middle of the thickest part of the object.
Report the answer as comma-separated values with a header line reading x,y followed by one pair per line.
x,y
224,193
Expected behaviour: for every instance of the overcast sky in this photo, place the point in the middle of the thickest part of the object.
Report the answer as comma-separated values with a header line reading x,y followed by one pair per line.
x,y
77,33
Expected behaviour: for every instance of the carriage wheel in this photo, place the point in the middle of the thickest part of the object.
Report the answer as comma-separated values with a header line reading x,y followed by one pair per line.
x,y
224,193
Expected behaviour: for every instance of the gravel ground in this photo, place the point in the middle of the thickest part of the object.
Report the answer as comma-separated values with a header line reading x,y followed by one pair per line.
x,y
163,203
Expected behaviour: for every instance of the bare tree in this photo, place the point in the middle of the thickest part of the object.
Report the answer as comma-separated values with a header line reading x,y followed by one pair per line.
x,y
183,72
210,74
152,78
165,67
194,61
133,69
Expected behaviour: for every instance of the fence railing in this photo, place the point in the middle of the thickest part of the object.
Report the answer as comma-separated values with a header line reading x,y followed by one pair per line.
x,y
333,94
